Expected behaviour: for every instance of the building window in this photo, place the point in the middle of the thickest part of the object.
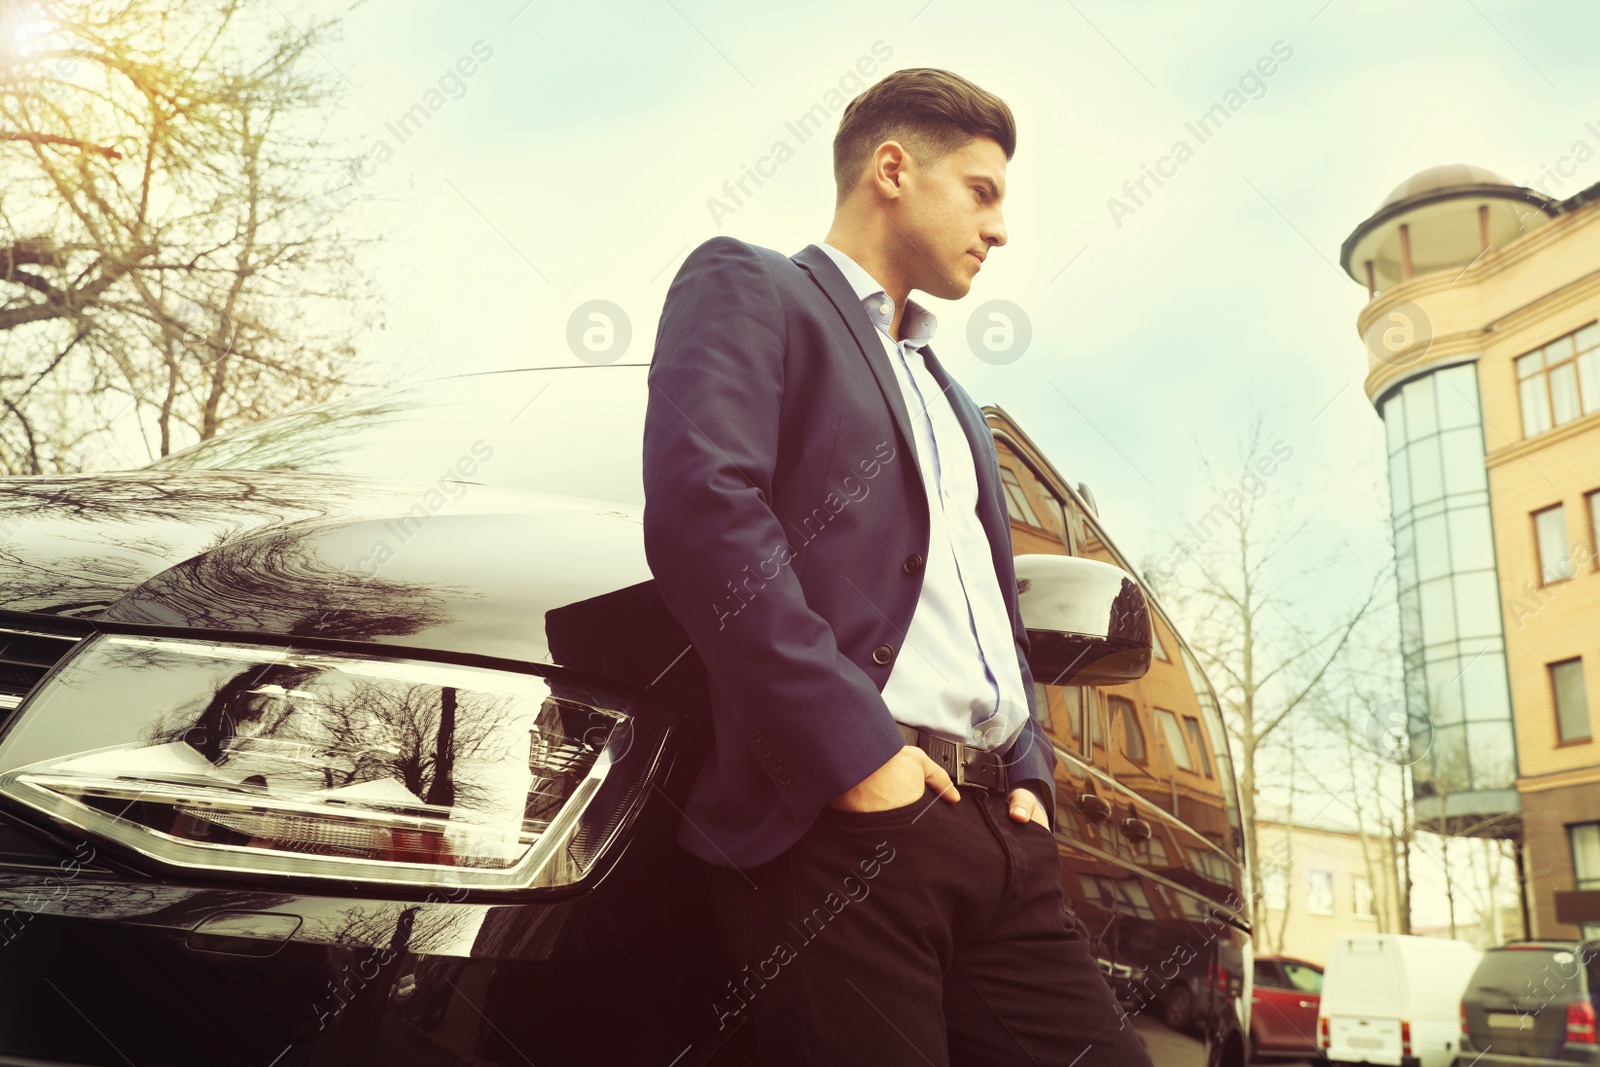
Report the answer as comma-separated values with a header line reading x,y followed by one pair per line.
x,y
1199,738
1058,517
1585,839
1555,557
1211,866
1319,892
1156,648
1560,381
1153,851
1017,500
1594,524
1072,697
1572,703
1173,736
1275,889
1586,854
1041,704
1123,895
1361,897
1132,734
1083,706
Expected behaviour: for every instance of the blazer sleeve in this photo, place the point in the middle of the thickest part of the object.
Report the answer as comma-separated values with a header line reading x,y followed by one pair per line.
x,y
815,720
1032,761
1031,758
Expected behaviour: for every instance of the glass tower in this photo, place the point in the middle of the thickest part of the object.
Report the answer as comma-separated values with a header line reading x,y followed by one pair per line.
x,y
1452,642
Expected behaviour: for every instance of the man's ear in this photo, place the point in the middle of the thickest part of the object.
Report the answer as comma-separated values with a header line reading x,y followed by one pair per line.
x,y
896,162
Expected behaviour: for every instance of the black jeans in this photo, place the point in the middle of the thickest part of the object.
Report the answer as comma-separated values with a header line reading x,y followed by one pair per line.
x,y
927,934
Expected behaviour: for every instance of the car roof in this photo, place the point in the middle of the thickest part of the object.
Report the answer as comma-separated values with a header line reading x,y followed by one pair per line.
x,y
1557,944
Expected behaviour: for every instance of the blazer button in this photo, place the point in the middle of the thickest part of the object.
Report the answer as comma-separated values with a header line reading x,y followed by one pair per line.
x,y
783,778
882,654
913,564
775,763
764,748
754,734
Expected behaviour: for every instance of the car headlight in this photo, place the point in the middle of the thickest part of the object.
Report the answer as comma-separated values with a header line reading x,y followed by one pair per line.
x,y
284,761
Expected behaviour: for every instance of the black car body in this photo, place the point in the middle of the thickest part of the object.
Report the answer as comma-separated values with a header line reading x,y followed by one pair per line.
x,y
262,797
1533,1004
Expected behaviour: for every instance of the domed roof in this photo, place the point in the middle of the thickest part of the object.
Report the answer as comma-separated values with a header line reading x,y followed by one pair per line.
x,y
1443,177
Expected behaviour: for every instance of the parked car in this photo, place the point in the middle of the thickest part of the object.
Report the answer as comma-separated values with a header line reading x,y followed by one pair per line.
x,y
1533,1004
1283,1008
359,736
1393,999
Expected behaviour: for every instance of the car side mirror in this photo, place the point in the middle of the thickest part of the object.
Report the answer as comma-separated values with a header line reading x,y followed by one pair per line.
x,y
1088,622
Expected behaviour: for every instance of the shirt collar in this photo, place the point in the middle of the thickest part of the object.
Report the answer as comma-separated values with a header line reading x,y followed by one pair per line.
x,y
919,323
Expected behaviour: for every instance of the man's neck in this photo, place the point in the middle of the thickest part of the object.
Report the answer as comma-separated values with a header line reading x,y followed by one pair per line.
x,y
874,263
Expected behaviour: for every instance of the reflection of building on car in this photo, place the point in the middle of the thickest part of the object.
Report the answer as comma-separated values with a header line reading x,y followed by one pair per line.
x,y
362,763
1157,878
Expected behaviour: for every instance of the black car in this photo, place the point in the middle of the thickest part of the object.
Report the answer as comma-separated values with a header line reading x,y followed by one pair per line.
x,y
1532,1004
359,736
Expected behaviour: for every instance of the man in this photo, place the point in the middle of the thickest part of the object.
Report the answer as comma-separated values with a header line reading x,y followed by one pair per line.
x,y
824,516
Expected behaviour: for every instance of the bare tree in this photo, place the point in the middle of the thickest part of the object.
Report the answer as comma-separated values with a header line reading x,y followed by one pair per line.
x,y
1244,614
159,255
1287,868
1372,759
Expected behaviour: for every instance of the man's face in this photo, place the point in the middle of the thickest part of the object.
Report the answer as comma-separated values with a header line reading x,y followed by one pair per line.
x,y
949,216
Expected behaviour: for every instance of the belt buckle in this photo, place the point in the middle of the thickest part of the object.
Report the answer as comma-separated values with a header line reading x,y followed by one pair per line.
x,y
953,755
988,763
961,771
993,773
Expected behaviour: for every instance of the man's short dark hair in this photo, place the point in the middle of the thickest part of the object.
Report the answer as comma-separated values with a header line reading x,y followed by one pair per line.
x,y
931,112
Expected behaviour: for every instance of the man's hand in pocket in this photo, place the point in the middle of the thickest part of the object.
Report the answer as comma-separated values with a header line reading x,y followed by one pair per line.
x,y
897,783
1025,805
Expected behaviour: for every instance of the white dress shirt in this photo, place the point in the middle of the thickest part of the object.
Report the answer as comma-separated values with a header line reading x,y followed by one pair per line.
x,y
957,673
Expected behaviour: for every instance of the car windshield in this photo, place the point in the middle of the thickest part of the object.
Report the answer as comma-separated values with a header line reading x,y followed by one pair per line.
x,y
572,430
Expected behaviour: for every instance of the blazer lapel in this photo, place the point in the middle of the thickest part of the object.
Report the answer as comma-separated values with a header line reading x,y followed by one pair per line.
x,y
992,513
826,274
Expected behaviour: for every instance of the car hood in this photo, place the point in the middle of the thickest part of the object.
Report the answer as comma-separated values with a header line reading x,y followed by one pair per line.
x,y
443,567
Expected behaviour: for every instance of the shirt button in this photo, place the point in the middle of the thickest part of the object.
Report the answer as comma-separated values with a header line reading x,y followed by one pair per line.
x,y
882,654
885,307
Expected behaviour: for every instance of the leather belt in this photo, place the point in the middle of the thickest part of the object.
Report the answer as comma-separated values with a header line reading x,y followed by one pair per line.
x,y
964,764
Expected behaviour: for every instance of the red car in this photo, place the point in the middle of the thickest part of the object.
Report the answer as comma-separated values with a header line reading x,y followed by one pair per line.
x,y
1283,1008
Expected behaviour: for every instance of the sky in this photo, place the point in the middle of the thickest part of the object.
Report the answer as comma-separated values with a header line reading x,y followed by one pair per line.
x,y
587,152
579,160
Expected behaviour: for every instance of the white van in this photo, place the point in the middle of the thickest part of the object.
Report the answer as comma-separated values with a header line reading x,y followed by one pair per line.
x,y
1393,999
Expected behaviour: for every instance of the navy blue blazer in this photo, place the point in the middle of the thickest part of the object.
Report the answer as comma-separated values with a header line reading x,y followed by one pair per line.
x,y
785,523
